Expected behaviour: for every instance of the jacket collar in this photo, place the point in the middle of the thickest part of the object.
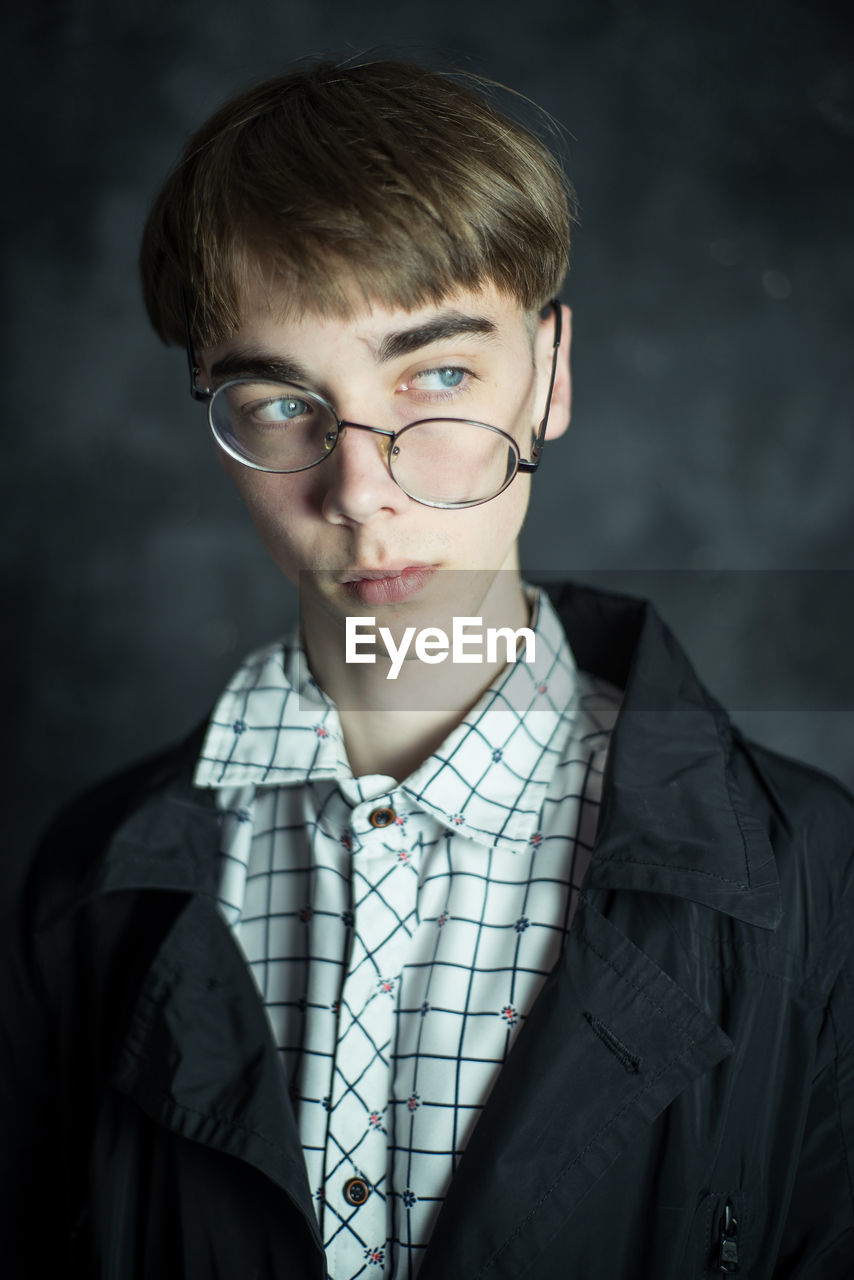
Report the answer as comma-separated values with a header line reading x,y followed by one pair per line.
x,y
673,819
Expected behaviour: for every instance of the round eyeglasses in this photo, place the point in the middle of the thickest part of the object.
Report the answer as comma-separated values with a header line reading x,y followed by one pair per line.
x,y
439,462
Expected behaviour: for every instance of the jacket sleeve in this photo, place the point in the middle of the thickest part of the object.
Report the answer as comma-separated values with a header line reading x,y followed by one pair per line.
x,y
58,978
33,1215
818,1238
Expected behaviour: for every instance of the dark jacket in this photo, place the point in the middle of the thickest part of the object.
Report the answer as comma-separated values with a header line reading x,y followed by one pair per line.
x,y
680,1100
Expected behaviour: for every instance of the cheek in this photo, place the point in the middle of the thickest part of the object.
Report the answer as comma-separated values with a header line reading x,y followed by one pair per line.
x,y
494,526
515,502
269,497
275,503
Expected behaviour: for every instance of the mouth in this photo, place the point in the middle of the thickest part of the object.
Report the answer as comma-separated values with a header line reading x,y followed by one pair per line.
x,y
386,586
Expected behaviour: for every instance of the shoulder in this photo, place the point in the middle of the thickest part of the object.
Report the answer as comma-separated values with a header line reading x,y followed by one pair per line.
x,y
792,795
68,856
808,818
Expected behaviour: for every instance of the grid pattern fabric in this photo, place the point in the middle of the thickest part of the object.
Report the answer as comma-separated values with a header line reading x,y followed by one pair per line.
x,y
398,962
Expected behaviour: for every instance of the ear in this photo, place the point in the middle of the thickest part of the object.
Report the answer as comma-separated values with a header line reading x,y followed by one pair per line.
x,y
561,401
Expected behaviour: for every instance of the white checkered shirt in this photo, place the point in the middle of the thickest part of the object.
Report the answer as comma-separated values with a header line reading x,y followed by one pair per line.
x,y
397,962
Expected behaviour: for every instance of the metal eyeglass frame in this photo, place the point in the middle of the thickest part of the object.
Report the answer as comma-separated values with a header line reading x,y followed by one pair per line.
x,y
529,467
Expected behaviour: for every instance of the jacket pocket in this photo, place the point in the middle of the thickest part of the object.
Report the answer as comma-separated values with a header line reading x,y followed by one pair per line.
x,y
719,1237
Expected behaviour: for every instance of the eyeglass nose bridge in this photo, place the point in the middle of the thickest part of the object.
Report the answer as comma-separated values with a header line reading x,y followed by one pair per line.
x,y
362,426
377,431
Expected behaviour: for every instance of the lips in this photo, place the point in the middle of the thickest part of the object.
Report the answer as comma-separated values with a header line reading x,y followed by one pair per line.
x,y
389,585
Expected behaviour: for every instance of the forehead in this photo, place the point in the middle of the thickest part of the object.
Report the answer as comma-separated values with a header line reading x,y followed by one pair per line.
x,y
484,317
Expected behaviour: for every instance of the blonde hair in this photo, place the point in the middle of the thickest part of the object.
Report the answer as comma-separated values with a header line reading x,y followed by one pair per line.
x,y
386,177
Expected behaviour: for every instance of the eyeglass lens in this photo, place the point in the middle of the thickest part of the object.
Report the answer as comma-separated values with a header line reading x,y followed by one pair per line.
x,y
283,428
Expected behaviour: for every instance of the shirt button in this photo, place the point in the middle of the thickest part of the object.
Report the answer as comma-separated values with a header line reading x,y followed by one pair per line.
x,y
382,817
356,1191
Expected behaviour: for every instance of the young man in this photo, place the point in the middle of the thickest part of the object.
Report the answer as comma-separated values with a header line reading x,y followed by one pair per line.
x,y
409,963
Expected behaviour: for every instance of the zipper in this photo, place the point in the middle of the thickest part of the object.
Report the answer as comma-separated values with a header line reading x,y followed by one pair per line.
x,y
728,1241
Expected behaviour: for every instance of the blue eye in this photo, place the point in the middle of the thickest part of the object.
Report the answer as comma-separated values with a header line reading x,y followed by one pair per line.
x,y
284,409
444,379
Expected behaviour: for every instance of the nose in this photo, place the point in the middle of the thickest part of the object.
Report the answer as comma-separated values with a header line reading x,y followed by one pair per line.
x,y
358,481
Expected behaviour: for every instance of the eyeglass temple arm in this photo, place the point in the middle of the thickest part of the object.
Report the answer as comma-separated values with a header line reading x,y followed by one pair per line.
x,y
195,391
537,445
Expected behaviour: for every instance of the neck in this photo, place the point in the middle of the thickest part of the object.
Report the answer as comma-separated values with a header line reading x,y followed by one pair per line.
x,y
391,725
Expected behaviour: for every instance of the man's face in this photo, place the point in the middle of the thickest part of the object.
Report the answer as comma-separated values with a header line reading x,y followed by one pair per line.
x,y
472,356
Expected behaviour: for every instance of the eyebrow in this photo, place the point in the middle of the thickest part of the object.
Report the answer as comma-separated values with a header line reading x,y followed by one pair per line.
x,y
449,324
243,363
255,364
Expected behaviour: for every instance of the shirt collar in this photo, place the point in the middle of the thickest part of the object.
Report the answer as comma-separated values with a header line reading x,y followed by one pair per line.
x,y
273,726
675,818
489,777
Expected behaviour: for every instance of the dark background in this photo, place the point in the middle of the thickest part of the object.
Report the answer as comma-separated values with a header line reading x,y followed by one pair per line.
x,y
711,459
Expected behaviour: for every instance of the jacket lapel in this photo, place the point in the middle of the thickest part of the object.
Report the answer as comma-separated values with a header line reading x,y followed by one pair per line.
x,y
198,1055
610,1042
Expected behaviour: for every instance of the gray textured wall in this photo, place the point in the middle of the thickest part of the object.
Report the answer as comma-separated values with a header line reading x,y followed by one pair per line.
x,y
711,460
